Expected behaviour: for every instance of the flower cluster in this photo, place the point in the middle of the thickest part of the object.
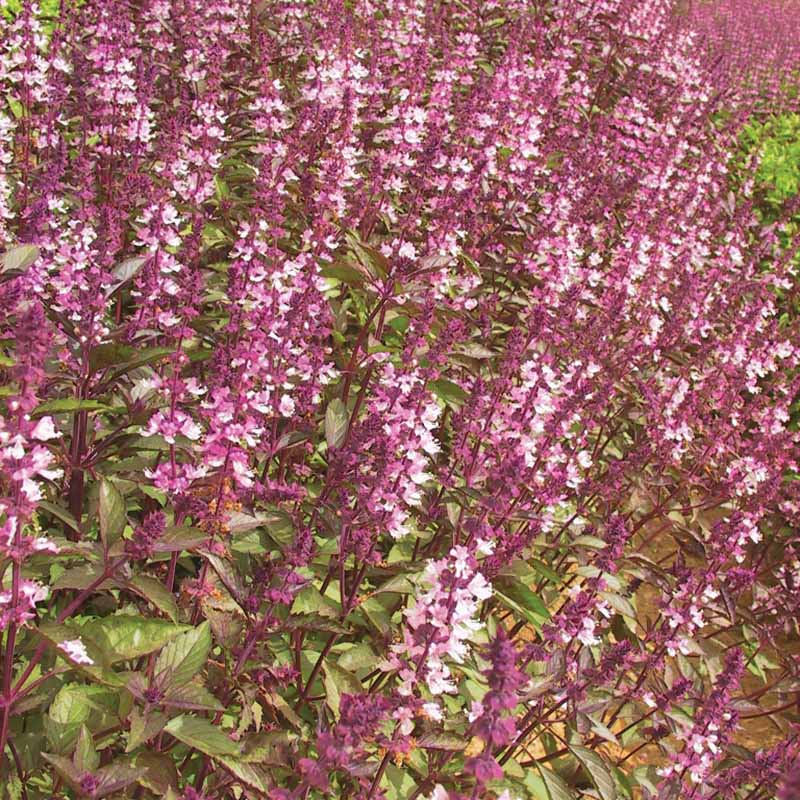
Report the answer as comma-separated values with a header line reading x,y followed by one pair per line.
x,y
441,623
706,737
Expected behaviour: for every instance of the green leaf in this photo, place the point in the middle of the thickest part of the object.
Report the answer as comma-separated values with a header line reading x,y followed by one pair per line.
x,y
143,727
156,593
251,543
71,708
160,776
229,575
115,777
474,350
125,270
143,358
646,777
12,786
68,404
110,354
593,542
99,671
60,513
18,259
202,735
448,392
400,783
314,622
535,785
80,577
602,730
65,768
398,583
249,774
359,656
443,741
279,525
14,105
336,422
185,656
270,748
369,257
513,769
546,572
337,682
517,596
377,615
124,636
309,601
620,604
112,512
226,625
213,235
151,491
344,272
192,697
283,708
176,539
85,757
554,784
623,783
597,770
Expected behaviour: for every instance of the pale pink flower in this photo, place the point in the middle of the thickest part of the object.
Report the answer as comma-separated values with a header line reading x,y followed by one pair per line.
x,y
76,651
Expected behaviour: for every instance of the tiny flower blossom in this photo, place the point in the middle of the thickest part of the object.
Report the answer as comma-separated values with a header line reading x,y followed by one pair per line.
x,y
76,651
45,430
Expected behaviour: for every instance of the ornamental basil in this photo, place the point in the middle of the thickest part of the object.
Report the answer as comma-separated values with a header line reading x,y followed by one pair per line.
x,y
399,399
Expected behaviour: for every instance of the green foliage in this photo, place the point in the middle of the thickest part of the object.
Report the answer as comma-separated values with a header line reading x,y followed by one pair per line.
x,y
49,9
776,142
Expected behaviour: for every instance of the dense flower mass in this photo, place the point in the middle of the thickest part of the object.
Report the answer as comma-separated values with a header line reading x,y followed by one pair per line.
x,y
398,400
